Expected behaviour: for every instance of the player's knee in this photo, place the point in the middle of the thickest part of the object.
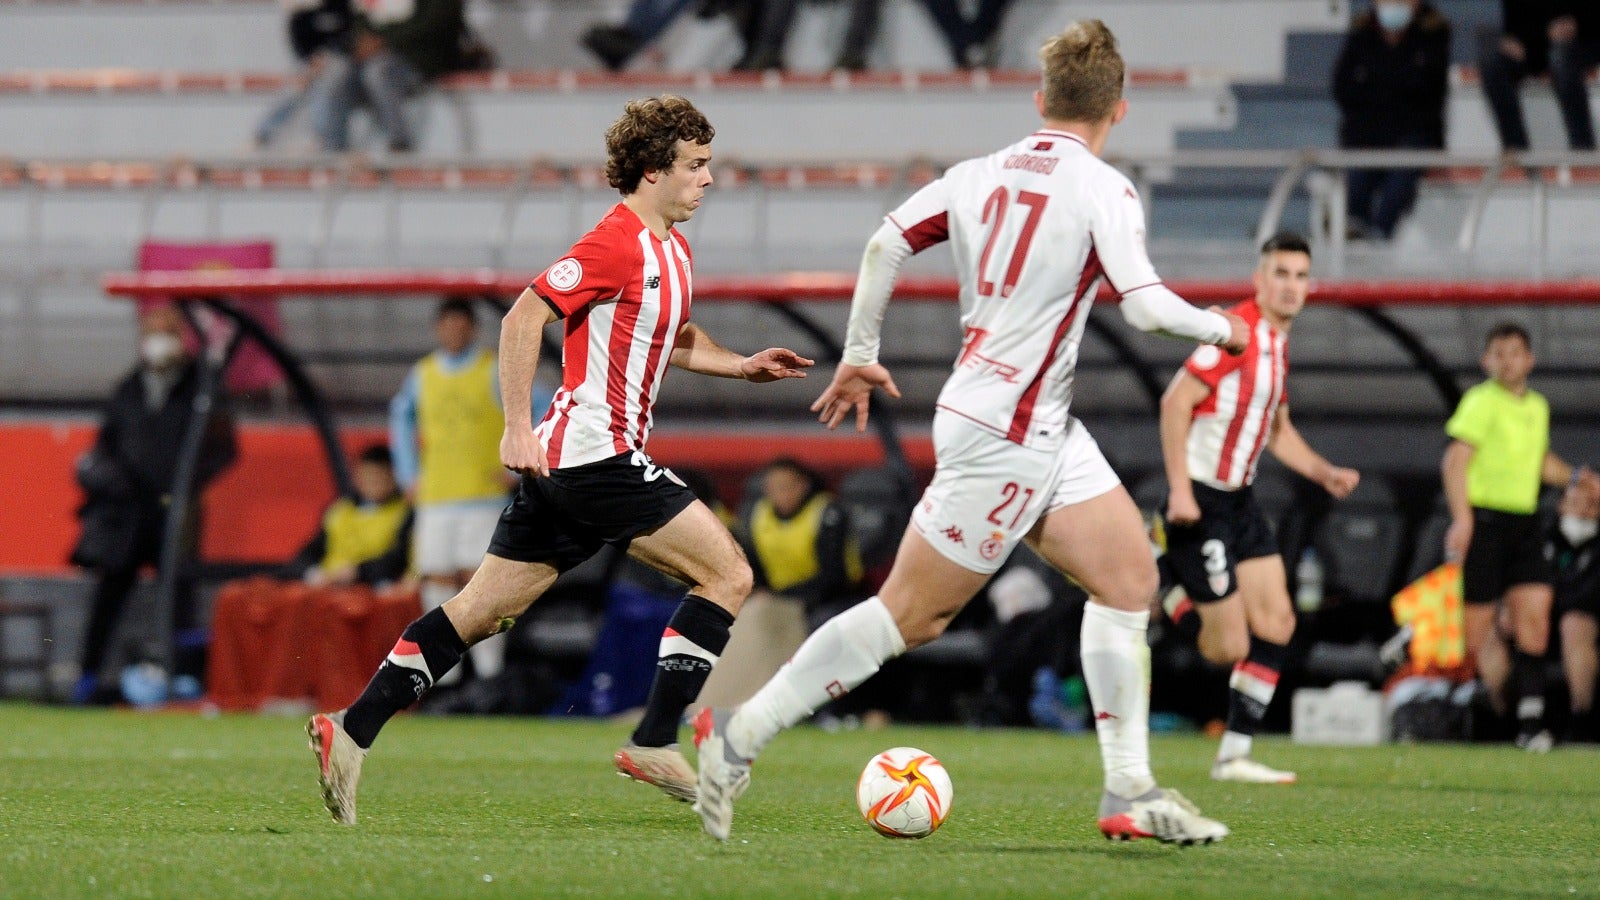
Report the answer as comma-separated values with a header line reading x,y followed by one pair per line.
x,y
923,630
1135,591
1225,649
1278,627
731,584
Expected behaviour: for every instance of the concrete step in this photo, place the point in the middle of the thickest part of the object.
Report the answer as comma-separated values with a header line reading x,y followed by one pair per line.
x,y
1221,35
886,118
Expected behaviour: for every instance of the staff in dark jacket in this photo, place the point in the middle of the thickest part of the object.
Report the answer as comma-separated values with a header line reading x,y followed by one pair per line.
x,y
1390,83
127,477
1561,37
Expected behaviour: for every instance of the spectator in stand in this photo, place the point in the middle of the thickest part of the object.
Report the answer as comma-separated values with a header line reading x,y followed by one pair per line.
x,y
364,539
777,16
1497,459
616,45
127,477
1561,37
319,30
399,46
1574,554
973,42
1390,83
444,431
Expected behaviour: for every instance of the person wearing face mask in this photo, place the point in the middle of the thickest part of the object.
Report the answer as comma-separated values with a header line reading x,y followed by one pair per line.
x,y
127,479
1574,557
1390,83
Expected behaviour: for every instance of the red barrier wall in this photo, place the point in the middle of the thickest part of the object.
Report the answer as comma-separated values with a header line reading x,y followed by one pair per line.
x,y
266,506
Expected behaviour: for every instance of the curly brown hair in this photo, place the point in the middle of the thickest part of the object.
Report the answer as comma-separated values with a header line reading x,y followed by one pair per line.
x,y
645,138
1082,73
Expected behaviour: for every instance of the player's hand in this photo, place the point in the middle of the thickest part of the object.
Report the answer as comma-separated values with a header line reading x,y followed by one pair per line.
x,y
1589,480
773,364
852,389
1182,509
521,452
1457,539
1340,481
1239,336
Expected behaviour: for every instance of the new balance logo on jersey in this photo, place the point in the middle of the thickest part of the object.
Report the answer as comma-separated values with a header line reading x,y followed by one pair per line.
x,y
653,282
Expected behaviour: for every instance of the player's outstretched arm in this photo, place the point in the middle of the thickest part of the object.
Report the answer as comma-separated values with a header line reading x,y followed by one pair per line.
x,y
1177,414
697,352
1291,449
521,336
851,389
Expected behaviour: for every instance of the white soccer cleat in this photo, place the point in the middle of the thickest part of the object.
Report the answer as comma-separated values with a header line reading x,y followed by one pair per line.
x,y
338,764
1161,814
663,767
1245,770
724,775
1541,741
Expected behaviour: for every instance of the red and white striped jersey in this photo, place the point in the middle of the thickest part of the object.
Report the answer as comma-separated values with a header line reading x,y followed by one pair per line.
x,y
625,295
1232,425
1033,227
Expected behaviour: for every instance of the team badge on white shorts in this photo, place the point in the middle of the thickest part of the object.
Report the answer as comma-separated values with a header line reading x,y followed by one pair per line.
x,y
992,548
565,275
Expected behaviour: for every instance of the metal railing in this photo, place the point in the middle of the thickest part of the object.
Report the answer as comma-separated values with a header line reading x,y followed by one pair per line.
x,y
1319,174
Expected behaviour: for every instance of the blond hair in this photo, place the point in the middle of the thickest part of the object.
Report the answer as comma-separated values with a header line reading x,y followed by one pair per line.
x,y
1083,70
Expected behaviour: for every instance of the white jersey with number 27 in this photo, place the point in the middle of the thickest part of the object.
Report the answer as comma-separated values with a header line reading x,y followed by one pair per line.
x,y
1033,228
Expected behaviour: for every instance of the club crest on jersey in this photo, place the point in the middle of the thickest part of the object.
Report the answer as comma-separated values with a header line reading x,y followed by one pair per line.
x,y
1206,356
565,275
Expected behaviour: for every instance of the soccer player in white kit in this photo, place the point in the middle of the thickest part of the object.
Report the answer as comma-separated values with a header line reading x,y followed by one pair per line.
x,y
1033,228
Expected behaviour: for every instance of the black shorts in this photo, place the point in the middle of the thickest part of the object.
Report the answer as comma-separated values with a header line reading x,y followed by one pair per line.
x,y
1506,549
1202,557
1578,584
566,518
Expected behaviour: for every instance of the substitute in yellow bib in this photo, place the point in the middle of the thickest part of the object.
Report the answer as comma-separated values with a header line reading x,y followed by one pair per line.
x,y
444,429
364,539
1498,457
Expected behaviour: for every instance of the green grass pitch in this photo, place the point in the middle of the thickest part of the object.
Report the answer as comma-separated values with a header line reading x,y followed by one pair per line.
x,y
127,805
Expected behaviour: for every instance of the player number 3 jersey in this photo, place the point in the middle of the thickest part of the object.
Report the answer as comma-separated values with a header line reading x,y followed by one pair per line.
x,y
624,294
1233,424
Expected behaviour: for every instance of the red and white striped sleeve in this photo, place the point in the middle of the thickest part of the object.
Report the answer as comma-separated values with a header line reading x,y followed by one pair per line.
x,y
595,270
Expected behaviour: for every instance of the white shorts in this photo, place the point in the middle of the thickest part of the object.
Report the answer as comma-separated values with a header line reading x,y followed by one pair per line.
x,y
452,537
987,492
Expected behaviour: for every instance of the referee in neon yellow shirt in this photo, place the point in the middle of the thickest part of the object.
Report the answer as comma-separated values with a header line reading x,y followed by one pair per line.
x,y
1498,457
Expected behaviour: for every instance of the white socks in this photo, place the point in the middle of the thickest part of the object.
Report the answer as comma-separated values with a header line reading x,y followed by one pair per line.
x,y
847,650
1116,669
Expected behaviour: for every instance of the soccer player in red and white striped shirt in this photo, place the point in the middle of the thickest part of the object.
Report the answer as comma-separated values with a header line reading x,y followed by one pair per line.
x,y
623,293
1217,416
1033,227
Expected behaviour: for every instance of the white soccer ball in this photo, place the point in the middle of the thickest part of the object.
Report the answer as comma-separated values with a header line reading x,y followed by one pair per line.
x,y
904,793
